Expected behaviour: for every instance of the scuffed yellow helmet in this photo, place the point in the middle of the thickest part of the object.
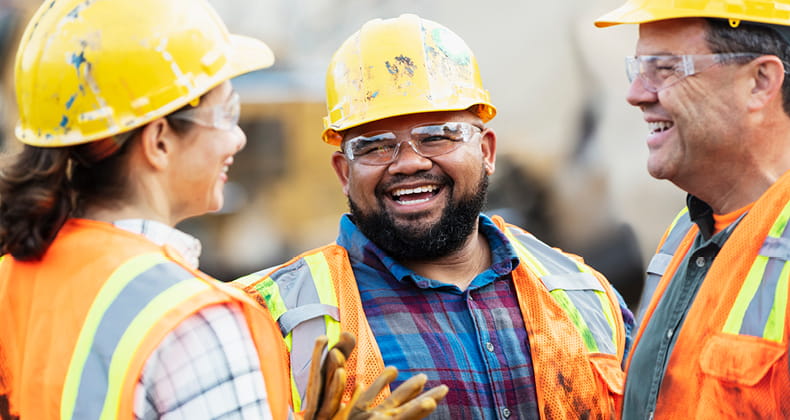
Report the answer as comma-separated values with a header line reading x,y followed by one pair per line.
x,y
399,66
642,11
86,70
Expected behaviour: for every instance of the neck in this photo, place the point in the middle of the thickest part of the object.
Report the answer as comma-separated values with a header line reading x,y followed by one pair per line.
x,y
113,211
737,192
746,172
460,267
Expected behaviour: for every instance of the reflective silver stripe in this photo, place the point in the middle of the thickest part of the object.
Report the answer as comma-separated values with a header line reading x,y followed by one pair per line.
x,y
547,255
762,303
583,289
589,305
296,285
119,315
776,247
659,263
675,237
289,320
572,281
305,311
778,252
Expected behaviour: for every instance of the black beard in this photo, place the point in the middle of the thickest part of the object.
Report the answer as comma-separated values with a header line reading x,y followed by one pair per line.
x,y
424,243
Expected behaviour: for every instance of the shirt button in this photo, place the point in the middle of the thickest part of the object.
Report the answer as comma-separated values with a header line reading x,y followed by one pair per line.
x,y
506,413
700,262
490,347
669,333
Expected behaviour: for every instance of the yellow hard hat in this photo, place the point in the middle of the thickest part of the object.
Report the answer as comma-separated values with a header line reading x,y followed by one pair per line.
x,y
641,11
86,70
399,66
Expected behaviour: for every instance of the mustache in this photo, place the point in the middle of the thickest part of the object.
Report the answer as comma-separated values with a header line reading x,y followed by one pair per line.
x,y
422,177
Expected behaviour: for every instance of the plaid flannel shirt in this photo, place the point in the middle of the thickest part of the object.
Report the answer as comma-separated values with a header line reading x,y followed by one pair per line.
x,y
472,340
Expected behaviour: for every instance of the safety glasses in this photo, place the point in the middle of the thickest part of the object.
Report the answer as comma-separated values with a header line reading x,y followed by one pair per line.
x,y
222,116
427,140
657,72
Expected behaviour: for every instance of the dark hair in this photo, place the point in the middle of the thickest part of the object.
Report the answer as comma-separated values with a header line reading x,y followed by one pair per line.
x,y
40,188
751,37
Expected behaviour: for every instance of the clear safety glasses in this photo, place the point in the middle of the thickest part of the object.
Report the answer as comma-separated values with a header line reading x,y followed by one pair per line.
x,y
221,116
658,72
427,140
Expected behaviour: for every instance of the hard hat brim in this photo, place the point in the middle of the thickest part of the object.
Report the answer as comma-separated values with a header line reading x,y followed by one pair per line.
x,y
249,54
633,12
627,13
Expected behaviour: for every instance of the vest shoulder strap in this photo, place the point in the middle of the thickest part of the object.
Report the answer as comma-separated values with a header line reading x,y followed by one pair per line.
x,y
657,266
583,296
301,297
135,308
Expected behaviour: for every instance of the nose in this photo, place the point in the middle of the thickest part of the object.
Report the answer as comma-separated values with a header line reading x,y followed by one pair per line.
x,y
638,95
242,138
408,161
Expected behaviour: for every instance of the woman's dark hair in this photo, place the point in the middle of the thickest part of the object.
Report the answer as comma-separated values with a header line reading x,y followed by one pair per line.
x,y
42,187
752,37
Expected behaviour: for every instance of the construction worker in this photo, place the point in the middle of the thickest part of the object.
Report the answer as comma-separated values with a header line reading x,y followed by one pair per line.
x,y
425,281
129,125
711,80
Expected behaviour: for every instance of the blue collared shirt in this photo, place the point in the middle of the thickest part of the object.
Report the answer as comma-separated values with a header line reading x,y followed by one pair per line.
x,y
474,340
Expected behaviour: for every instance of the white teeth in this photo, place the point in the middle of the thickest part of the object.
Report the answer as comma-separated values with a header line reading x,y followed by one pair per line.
x,y
225,169
413,201
657,127
423,189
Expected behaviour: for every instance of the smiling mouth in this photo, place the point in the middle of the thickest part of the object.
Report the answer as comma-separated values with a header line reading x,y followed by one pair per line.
x,y
660,126
414,195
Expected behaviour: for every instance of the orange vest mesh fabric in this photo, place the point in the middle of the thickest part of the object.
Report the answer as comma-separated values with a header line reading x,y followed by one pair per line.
x,y
365,363
45,304
568,383
571,384
713,375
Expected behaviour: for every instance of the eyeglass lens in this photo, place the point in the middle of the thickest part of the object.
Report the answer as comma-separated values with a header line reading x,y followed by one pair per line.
x,y
223,116
657,72
381,148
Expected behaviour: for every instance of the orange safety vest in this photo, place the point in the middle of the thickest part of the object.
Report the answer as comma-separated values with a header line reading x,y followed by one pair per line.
x,y
576,350
78,326
730,359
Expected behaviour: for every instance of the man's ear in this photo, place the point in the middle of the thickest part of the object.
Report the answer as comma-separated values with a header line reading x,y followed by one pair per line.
x,y
342,168
156,143
768,74
488,147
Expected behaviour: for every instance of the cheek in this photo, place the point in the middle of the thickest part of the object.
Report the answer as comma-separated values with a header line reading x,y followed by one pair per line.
x,y
362,182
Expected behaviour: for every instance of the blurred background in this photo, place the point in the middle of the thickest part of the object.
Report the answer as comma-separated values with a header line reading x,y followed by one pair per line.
x,y
571,151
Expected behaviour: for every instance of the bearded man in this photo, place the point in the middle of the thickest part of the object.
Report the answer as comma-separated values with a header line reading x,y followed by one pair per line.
x,y
427,282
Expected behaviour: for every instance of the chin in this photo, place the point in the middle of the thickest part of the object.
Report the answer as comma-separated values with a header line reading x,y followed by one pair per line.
x,y
215,208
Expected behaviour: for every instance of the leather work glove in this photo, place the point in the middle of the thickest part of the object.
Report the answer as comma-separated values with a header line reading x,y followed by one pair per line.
x,y
328,379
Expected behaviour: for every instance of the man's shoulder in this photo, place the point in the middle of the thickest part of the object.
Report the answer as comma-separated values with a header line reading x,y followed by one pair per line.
x,y
329,253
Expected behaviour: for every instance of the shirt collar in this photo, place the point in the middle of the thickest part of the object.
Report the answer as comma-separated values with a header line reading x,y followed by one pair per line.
x,y
702,214
360,249
161,234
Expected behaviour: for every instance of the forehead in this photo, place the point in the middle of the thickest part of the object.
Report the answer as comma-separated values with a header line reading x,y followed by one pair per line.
x,y
674,36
